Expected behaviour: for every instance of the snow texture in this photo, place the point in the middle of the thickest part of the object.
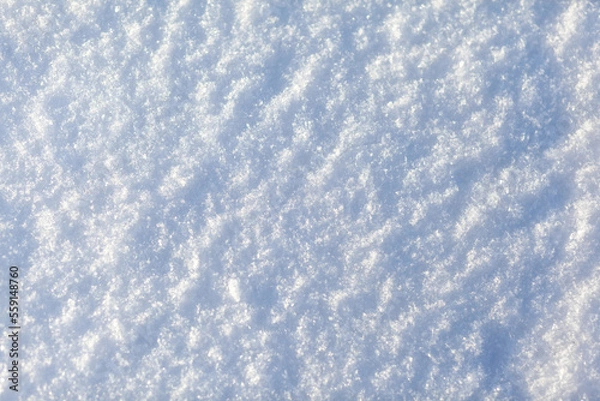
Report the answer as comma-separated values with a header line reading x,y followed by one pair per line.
x,y
303,199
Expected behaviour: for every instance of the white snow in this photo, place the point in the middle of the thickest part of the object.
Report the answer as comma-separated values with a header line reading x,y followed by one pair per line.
x,y
302,199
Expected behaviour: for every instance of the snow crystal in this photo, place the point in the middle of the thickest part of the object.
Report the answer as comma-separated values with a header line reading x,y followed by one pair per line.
x,y
357,199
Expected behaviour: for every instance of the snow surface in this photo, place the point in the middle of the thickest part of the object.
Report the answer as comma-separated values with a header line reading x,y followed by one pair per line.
x,y
303,199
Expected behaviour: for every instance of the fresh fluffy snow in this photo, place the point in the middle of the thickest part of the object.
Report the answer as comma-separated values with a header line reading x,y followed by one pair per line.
x,y
303,199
